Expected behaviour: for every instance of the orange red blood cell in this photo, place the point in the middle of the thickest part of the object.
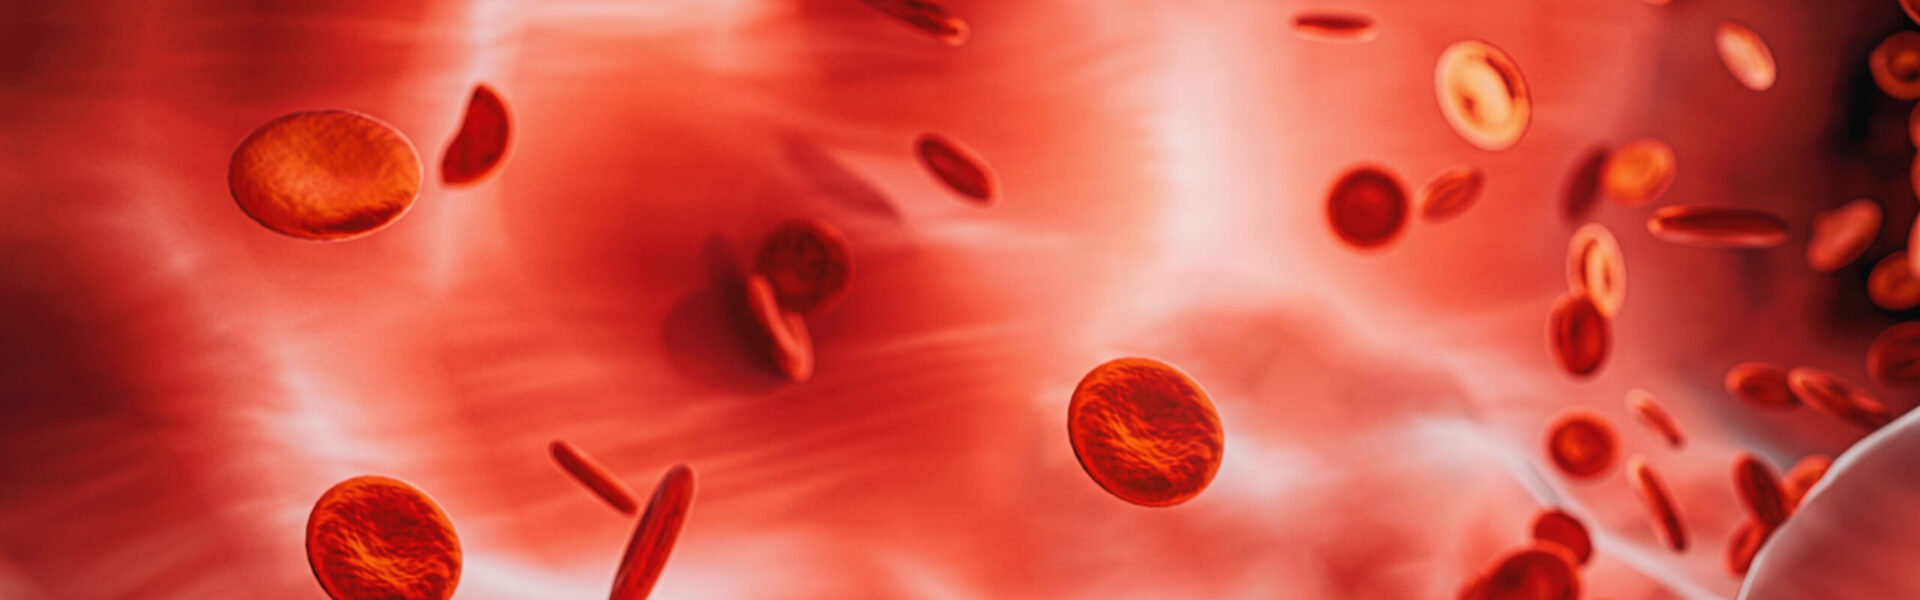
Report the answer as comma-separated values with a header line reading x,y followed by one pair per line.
x,y
1482,94
1145,431
1666,518
591,473
1894,357
1828,393
1717,227
1579,335
1538,572
1746,56
1801,478
378,537
808,262
325,175
1638,172
926,16
1649,412
1596,268
1761,384
1559,528
1896,65
1744,543
783,333
959,167
653,538
1328,25
1451,192
1842,234
485,134
1580,443
1759,489
1892,285
1367,207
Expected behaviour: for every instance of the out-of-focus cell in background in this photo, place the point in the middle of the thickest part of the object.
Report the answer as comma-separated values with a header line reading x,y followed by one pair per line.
x,y
1579,336
1145,431
1333,25
1896,65
1912,8
1482,94
1800,479
1828,393
1746,55
1761,384
1665,515
781,333
1648,411
1451,192
654,537
809,264
1717,227
1367,207
1894,358
594,476
1892,284
482,143
1638,172
958,166
1582,187
1759,489
926,16
325,175
377,537
1842,234
1596,268
1553,526
1744,543
1580,443
1854,536
1538,572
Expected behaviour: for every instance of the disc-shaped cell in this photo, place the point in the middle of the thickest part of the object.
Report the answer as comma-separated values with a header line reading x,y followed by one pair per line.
x,y
1333,25
1828,393
1842,234
1538,572
1451,192
1746,56
481,144
781,334
1650,413
1894,357
1562,529
958,166
325,175
1638,172
1596,268
1896,65
1579,335
926,16
1367,207
1744,543
378,537
653,538
1801,478
1482,94
808,262
1646,483
1761,384
1145,431
1581,443
594,476
1717,227
1892,285
1759,489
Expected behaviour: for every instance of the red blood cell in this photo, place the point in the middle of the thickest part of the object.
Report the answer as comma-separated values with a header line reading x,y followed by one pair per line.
x,y
1746,56
959,167
1761,384
1559,528
1145,431
1828,393
1649,412
1759,489
325,175
1579,335
784,334
653,538
1538,572
1638,172
1892,284
1475,589
1482,94
476,151
1894,357
591,473
1912,7
1666,518
1580,442
1333,25
1744,543
378,537
1583,183
1367,207
929,17
808,262
1451,192
1842,234
1896,65
1596,268
1717,227
1801,477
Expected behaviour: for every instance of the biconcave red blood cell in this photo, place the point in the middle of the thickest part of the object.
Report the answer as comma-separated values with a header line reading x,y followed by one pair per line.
x,y
1328,25
1579,335
596,477
1744,543
1800,479
808,262
1842,234
1746,56
1482,94
1367,207
1648,411
1828,393
1638,172
1892,284
1558,527
780,333
1596,268
1145,431
1451,192
1580,442
958,166
481,144
1759,489
325,175
654,537
1538,572
379,537
1666,517
1895,64
1761,384
1717,227
926,16
1894,357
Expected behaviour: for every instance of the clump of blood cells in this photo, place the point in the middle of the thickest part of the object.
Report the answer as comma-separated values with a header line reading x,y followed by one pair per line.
x,y
1331,25
1451,192
654,537
1482,94
1145,431
593,475
482,142
1638,172
1596,268
1581,443
808,262
1828,393
1367,207
1653,493
1650,413
1717,227
1579,335
378,537
959,166
1746,55
1843,234
325,175
1895,64
927,16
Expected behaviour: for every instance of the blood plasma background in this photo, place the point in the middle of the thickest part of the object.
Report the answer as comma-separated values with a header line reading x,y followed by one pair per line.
x,y
179,385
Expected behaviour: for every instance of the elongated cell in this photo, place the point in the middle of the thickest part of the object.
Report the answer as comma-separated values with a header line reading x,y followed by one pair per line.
x,y
808,262
926,16
1145,432
1892,284
1896,65
1653,493
1800,479
958,166
1828,393
1537,572
1650,413
1451,192
594,476
1582,187
1562,529
1717,227
1761,384
1894,357
1842,234
1759,489
1367,207
1333,25
1581,443
325,175
1596,268
1579,335
379,538
1482,94
782,334
1746,56
1638,172
1744,543
653,538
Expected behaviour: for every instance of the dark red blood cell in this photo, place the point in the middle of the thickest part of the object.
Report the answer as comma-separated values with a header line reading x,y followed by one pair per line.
x,y
1539,572
325,175
591,473
373,537
959,167
1145,431
485,134
1892,285
1666,518
808,262
1451,192
1717,227
1580,442
1559,528
1761,384
1828,393
1367,207
780,333
1759,489
1895,64
1643,407
1579,335
653,538
1894,357
1745,542
1801,478
1333,25
929,17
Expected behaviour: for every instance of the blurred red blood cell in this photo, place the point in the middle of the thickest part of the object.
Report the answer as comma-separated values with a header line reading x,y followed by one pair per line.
x,y
1666,518
959,167
1912,7
1367,207
1761,384
1596,268
783,333
1475,589
1145,431
325,175
1482,94
1579,335
1451,192
377,537
653,538
1896,65
1759,489
926,16
1332,25
1649,412
596,477
476,151
1746,56
1828,393
1580,443
808,262
1582,188
1538,572
1559,528
1892,284
1894,357
1717,227
1800,479
1842,234
1638,172
1744,543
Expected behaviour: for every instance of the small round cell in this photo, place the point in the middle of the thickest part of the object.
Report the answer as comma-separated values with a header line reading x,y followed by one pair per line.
x,y
958,166
1655,417
1579,335
480,146
808,262
1896,65
782,334
1596,268
1331,25
1746,56
1761,384
1801,478
1891,284
1367,207
594,476
325,175
653,538
1451,192
1537,572
926,16
1717,227
1759,489
1638,172
1843,234
1828,393
1562,529
379,537
1653,493
1145,432
1894,357
1744,543
1581,443
1482,94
